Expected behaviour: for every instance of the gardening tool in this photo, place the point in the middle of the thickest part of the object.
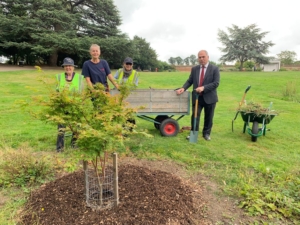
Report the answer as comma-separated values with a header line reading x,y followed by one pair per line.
x,y
243,99
194,133
240,104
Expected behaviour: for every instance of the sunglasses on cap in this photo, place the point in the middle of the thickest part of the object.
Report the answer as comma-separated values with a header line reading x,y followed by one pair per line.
x,y
128,63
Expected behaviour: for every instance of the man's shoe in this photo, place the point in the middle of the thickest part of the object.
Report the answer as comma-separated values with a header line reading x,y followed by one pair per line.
x,y
206,137
188,137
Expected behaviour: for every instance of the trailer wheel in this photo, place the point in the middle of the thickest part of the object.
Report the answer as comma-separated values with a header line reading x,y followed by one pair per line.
x,y
254,131
169,127
159,119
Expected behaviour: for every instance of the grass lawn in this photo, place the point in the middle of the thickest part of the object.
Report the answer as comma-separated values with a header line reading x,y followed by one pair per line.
x,y
263,174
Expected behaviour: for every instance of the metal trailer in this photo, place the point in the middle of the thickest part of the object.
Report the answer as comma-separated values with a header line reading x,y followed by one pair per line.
x,y
163,107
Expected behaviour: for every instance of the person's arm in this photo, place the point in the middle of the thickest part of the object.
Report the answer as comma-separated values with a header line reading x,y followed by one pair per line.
x,y
116,75
57,82
179,91
112,80
86,74
136,79
89,82
81,83
187,84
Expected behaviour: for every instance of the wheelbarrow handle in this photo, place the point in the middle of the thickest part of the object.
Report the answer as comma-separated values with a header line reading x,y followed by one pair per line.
x,y
247,89
270,106
237,113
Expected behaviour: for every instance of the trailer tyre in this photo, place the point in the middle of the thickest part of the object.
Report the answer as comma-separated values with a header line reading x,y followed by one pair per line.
x,y
160,119
254,131
169,127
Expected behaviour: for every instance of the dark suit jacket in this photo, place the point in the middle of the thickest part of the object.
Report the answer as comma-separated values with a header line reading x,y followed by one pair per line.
x,y
211,82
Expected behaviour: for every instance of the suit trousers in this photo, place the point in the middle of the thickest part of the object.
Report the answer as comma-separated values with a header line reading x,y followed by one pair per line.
x,y
209,110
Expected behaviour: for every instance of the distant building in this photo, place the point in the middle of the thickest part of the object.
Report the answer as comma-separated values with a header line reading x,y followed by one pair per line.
x,y
3,59
273,65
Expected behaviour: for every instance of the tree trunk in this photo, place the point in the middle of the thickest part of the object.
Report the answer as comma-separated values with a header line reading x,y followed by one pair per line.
x,y
52,60
241,66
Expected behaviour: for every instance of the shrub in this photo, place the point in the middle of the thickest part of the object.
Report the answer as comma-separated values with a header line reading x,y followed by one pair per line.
x,y
20,168
258,69
282,69
246,65
276,196
290,91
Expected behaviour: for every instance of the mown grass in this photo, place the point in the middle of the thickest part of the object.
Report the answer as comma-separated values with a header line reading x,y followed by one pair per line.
x,y
264,175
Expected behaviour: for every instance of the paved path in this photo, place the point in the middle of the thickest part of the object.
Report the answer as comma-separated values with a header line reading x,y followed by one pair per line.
x,y
5,67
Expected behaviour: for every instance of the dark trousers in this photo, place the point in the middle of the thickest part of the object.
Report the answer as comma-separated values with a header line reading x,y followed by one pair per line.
x,y
209,110
60,142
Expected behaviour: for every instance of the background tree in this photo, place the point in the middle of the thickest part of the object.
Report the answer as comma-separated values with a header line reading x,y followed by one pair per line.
x,y
179,60
172,60
287,57
143,55
115,50
213,63
163,66
242,44
187,61
193,59
45,29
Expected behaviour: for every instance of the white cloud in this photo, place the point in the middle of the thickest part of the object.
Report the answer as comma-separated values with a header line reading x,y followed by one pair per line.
x,y
182,28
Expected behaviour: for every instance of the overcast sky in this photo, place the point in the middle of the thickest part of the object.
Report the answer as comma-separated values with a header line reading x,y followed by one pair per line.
x,y
182,28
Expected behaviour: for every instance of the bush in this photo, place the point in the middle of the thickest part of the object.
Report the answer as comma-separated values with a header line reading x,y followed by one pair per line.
x,y
279,200
246,65
282,69
20,168
290,91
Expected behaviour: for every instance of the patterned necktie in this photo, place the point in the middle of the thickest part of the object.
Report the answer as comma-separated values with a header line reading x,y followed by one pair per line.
x,y
201,76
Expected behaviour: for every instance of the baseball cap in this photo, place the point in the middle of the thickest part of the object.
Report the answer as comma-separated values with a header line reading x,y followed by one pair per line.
x,y
128,60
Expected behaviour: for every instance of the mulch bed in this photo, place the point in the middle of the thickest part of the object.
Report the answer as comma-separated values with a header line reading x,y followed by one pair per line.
x,y
146,197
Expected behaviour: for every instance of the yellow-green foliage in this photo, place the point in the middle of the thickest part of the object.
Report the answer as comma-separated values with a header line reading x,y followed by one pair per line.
x,y
21,167
97,119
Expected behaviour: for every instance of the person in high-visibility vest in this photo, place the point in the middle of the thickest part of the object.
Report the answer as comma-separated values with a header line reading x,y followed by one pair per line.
x,y
74,81
127,73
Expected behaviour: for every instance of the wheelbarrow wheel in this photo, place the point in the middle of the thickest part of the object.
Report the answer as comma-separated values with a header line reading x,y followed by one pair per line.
x,y
169,127
159,119
254,131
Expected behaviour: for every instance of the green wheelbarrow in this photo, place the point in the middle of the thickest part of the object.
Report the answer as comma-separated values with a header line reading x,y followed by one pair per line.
x,y
259,120
259,123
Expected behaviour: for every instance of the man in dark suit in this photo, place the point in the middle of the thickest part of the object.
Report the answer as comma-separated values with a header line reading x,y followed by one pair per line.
x,y
205,79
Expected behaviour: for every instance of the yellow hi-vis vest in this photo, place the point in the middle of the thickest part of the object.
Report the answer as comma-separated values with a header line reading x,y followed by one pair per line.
x,y
74,85
131,79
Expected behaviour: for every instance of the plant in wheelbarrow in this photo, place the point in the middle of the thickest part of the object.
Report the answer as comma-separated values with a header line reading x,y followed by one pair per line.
x,y
259,115
100,122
